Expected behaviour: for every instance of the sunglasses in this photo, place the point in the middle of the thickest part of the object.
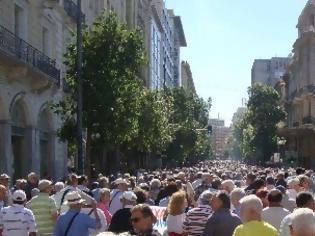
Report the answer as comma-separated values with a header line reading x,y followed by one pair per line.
x,y
135,220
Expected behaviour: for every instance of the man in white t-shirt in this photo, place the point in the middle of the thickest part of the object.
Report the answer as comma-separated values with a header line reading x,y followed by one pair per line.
x,y
275,213
16,220
115,195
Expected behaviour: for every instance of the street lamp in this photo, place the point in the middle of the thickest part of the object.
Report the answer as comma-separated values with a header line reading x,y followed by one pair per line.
x,y
80,158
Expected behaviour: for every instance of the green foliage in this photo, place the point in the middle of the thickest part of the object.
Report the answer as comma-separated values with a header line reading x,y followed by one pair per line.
x,y
119,110
112,56
257,129
190,114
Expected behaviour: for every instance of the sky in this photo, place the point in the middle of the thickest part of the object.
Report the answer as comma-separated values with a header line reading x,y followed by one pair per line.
x,y
225,36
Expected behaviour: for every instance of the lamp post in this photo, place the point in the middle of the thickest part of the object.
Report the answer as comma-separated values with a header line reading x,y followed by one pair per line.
x,y
80,157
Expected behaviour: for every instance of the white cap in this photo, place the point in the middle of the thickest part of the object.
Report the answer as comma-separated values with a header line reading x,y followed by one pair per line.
x,y
73,198
19,196
121,181
129,195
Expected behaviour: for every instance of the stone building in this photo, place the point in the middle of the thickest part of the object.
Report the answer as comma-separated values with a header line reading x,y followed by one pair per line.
x,y
219,136
187,81
268,71
298,89
33,38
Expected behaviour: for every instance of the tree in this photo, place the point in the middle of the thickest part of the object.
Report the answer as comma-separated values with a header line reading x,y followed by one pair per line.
x,y
190,114
112,56
257,129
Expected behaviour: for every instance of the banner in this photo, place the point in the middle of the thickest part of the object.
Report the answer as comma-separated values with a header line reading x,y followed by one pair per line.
x,y
159,213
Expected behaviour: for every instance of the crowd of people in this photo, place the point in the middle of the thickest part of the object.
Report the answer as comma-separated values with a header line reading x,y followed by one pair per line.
x,y
212,198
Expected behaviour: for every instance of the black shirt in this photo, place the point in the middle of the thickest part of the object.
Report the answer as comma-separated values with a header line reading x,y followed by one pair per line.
x,y
121,221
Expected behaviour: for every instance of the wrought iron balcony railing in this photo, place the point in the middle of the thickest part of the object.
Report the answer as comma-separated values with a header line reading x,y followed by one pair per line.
x,y
17,47
308,120
72,10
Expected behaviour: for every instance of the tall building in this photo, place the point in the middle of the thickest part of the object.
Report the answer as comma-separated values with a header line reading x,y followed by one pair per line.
x,y
300,92
187,81
268,71
238,114
219,136
33,39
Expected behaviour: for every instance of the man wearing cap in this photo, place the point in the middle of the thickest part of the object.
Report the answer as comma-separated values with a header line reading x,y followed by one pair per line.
x,y
5,180
196,218
16,220
121,219
73,222
72,185
44,208
115,204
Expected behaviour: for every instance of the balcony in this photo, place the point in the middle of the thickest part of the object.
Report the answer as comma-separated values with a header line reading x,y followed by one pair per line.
x,y
72,10
16,47
296,124
309,120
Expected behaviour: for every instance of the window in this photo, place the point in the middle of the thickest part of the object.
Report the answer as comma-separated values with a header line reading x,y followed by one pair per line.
x,y
19,23
46,42
312,20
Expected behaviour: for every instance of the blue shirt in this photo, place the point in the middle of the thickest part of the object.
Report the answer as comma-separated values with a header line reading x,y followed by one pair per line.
x,y
80,225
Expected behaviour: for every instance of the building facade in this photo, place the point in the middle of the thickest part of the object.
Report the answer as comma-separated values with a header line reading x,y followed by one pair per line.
x,y
268,71
187,81
33,39
219,137
298,91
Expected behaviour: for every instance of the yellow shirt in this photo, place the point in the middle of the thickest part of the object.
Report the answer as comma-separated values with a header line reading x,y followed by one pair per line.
x,y
257,228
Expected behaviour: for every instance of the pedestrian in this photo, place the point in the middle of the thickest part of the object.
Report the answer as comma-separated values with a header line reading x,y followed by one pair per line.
x,y
196,218
303,200
5,181
228,185
3,191
142,220
251,208
16,220
275,213
205,185
176,213
222,222
303,223
32,182
121,185
44,208
236,195
73,222
103,204
72,185
121,219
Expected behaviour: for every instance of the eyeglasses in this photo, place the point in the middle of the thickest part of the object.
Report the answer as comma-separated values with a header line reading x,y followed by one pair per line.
x,y
135,220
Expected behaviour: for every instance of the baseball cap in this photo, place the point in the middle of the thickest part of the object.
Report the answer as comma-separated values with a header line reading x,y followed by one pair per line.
x,y
19,196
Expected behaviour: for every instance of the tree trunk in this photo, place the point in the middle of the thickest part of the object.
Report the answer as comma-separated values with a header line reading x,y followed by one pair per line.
x,y
87,167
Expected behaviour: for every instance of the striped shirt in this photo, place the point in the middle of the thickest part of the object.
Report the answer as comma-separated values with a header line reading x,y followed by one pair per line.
x,y
43,208
17,221
196,220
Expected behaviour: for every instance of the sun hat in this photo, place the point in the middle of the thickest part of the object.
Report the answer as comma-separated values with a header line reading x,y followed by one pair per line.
x,y
73,198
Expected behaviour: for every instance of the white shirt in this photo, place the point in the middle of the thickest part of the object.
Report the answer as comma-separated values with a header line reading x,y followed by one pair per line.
x,y
16,220
115,203
284,227
274,215
292,193
174,224
164,202
104,225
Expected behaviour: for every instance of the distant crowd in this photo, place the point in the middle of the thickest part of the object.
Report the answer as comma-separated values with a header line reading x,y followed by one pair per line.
x,y
212,198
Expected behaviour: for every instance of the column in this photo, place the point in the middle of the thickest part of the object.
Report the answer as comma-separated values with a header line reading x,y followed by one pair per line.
x,y
52,167
5,147
32,151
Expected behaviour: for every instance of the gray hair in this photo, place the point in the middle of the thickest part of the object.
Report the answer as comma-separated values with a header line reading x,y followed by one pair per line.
x,y
237,194
59,186
205,197
252,202
303,221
